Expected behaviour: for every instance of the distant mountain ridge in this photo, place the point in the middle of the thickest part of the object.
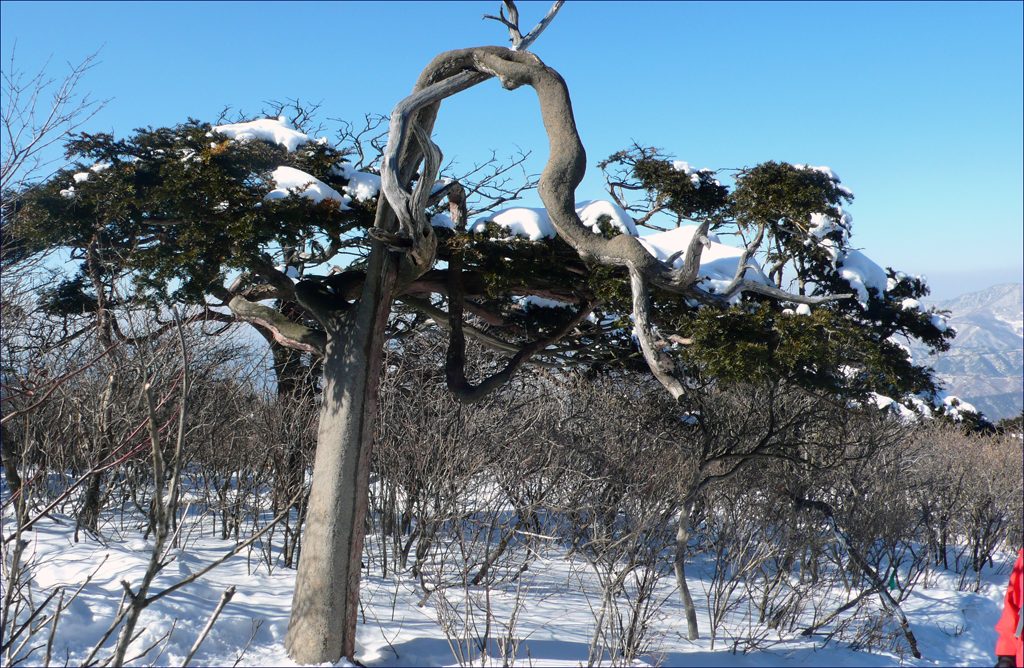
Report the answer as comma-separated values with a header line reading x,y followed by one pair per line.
x,y
985,364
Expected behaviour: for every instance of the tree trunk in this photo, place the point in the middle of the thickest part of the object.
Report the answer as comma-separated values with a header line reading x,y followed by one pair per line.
x,y
326,599
295,389
89,515
682,540
289,371
11,460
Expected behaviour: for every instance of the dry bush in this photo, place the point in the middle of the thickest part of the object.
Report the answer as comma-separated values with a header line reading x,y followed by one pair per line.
x,y
970,498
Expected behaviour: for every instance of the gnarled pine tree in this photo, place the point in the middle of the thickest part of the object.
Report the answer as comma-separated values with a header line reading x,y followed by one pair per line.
x,y
193,213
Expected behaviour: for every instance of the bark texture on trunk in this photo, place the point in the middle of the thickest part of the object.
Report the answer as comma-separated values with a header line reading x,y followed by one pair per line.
x,y
326,599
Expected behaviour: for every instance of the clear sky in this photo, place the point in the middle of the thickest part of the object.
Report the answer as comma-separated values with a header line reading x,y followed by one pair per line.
x,y
918,107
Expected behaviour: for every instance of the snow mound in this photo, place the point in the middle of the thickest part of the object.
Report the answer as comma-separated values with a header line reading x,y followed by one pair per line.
x,y
533,223
590,210
685,168
97,168
521,221
823,224
938,320
290,179
891,283
530,301
276,131
955,406
884,403
361,186
861,273
827,171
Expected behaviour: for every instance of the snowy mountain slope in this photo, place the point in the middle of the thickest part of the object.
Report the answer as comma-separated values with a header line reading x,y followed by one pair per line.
x,y
985,364
992,318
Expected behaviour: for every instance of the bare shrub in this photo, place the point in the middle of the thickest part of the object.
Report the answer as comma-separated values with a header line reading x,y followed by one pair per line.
x,y
970,498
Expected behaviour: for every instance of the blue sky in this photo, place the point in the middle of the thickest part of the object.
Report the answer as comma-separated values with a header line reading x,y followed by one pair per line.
x,y
918,107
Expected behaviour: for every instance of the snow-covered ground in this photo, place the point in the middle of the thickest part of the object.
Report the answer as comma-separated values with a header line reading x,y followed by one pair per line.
x,y
549,611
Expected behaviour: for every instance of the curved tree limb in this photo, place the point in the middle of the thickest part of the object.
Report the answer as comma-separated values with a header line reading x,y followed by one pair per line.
x,y
289,334
455,360
275,277
741,266
564,171
446,75
660,365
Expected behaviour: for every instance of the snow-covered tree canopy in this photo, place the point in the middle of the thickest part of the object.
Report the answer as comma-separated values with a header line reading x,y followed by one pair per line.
x,y
255,211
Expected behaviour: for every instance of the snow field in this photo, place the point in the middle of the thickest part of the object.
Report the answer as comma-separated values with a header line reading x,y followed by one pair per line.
x,y
545,616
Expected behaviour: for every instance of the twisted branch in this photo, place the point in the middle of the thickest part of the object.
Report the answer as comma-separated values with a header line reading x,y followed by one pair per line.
x,y
454,71
448,74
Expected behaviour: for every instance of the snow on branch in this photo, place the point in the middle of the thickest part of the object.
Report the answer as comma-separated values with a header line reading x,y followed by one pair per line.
x,y
276,131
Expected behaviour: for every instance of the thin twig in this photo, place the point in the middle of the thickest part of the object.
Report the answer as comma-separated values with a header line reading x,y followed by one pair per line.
x,y
164,648
257,624
54,620
224,599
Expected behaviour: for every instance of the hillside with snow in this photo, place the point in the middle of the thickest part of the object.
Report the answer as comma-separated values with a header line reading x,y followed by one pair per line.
x,y
985,364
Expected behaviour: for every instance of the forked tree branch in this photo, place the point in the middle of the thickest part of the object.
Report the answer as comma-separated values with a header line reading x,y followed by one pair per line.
x,y
520,43
540,27
512,22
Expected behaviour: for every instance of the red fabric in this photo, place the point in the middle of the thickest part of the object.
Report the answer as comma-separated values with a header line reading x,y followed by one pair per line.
x,y
1008,645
